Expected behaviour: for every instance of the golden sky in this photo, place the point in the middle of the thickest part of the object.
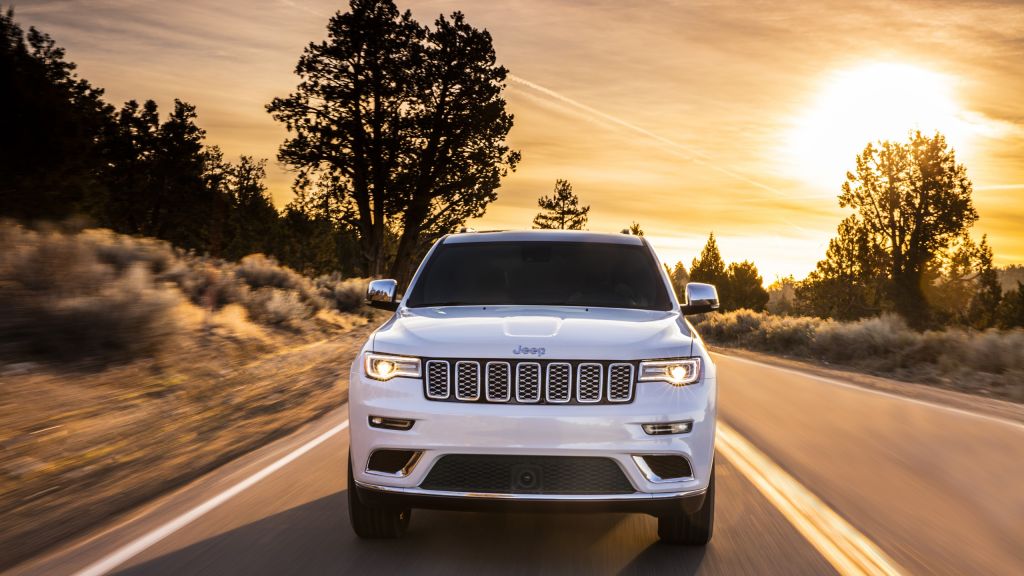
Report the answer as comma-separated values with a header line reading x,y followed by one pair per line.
x,y
686,116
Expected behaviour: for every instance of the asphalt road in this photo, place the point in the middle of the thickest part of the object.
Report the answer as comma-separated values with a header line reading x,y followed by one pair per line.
x,y
936,490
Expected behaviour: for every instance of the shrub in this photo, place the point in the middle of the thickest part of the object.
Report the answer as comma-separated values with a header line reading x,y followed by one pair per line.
x,y
882,344
122,252
206,283
277,307
259,271
102,296
343,294
59,301
870,338
790,335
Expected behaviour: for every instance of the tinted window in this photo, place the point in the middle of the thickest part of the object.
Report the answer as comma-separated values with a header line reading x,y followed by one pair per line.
x,y
541,273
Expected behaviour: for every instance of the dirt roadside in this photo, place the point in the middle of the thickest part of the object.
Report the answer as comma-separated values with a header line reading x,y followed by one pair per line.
x,y
78,449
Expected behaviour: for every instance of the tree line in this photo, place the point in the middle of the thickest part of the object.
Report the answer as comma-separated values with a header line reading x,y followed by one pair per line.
x,y
905,249
739,284
396,136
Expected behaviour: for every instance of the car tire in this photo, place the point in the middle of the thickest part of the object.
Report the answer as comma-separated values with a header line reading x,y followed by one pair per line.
x,y
371,522
691,529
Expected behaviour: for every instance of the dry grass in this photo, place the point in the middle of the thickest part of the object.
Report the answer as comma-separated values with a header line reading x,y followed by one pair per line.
x,y
127,367
989,362
98,297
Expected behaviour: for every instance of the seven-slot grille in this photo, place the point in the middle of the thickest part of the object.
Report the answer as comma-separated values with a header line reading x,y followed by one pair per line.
x,y
529,382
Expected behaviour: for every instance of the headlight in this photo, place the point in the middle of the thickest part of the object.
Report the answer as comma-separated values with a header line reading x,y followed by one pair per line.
x,y
386,367
678,372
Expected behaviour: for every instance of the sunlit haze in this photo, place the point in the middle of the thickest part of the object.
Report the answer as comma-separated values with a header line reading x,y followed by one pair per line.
x,y
686,117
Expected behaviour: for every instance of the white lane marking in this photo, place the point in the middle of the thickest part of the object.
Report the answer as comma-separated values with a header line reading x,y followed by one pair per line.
x,y
142,543
842,545
835,382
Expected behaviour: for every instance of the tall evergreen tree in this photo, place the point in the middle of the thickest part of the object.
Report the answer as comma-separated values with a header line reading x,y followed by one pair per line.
x,y
745,287
709,267
1011,309
847,284
254,224
397,126
913,199
561,210
984,305
679,277
459,129
52,129
158,176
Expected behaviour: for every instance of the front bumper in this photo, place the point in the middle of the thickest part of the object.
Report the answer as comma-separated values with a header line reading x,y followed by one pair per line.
x,y
662,504
609,431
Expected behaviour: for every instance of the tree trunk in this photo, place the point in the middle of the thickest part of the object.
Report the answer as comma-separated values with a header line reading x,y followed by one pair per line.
x,y
909,299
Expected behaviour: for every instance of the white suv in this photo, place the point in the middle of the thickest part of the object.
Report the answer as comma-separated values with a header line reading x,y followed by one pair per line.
x,y
535,370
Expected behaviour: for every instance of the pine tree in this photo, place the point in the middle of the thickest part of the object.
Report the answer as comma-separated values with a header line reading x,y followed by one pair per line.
x,y
912,199
745,287
399,126
561,210
710,269
984,306
1011,309
52,129
679,277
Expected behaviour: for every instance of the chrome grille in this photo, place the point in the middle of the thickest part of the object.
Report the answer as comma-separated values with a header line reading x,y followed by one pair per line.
x,y
499,387
439,380
620,382
528,382
588,382
500,381
467,380
559,380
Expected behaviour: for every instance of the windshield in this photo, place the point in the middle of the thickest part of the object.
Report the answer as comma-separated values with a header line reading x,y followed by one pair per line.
x,y
541,274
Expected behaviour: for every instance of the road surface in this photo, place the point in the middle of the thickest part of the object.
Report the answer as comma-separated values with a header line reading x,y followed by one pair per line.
x,y
835,477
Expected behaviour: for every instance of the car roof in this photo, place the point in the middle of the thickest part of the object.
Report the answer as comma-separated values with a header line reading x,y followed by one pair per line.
x,y
542,236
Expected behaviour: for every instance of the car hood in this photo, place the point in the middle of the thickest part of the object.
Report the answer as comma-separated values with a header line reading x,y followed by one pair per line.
x,y
546,333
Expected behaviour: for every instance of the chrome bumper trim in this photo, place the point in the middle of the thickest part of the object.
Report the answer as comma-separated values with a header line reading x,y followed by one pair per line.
x,y
535,497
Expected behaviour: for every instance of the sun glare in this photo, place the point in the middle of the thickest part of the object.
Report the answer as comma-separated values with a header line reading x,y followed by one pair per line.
x,y
881,101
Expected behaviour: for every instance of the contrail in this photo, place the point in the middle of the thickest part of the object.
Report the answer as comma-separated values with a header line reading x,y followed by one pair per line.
x,y
680,149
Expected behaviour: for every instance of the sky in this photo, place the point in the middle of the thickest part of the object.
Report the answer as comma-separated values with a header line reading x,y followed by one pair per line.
x,y
689,117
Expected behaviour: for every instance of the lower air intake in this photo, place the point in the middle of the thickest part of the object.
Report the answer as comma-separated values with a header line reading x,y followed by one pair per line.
x,y
500,474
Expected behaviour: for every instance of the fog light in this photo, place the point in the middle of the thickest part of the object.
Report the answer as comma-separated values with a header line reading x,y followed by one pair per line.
x,y
395,463
659,468
659,428
391,423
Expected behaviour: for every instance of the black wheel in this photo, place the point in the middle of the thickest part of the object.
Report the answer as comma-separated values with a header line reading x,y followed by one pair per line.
x,y
372,522
691,529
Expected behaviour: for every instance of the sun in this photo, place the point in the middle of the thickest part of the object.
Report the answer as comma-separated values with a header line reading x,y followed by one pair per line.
x,y
879,101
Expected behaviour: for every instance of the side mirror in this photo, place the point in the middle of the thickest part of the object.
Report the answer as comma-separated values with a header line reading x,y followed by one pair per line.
x,y
381,294
700,298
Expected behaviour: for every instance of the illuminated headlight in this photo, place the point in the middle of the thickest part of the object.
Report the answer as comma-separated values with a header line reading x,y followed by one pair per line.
x,y
386,367
679,372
